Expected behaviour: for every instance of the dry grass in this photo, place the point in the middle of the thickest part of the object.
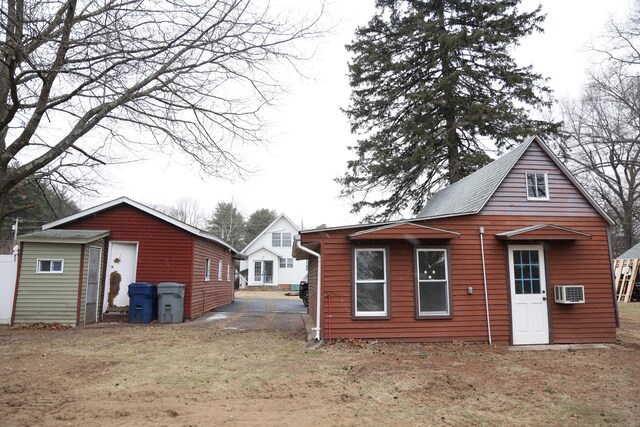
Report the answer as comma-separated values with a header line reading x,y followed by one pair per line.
x,y
168,375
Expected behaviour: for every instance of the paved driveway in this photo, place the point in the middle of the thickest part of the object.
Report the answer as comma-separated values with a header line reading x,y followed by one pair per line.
x,y
257,310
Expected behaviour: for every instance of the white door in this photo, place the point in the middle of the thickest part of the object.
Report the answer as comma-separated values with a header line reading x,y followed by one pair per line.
x,y
93,278
530,322
121,271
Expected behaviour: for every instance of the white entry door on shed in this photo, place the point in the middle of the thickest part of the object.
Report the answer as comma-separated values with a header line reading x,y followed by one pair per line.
x,y
530,322
93,278
121,271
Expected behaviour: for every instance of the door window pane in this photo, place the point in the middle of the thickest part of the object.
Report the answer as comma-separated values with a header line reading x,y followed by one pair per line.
x,y
526,272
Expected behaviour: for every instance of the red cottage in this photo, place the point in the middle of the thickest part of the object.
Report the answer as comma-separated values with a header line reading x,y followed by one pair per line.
x,y
145,245
516,253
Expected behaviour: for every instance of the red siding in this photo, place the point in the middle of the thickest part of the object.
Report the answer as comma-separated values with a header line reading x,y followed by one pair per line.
x,y
511,196
213,293
165,252
584,262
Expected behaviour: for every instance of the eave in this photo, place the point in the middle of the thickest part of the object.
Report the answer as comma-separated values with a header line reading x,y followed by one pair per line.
x,y
544,232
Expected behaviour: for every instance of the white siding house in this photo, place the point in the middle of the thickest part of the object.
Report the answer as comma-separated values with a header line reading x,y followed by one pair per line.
x,y
269,261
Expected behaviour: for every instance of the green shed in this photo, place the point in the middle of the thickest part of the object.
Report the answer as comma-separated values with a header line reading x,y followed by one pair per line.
x,y
59,277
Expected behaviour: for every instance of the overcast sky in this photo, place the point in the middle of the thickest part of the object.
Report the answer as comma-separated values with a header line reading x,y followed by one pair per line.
x,y
309,135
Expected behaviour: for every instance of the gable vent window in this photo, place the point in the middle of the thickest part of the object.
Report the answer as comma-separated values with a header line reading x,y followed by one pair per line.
x,y
537,186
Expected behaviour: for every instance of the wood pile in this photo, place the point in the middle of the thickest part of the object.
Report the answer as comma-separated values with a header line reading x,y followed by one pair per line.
x,y
626,272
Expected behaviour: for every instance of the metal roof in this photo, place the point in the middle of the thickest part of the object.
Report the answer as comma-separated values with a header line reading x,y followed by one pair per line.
x,y
632,253
124,200
64,236
470,194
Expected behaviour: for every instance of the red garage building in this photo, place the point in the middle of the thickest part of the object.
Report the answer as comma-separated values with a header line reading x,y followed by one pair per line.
x,y
145,245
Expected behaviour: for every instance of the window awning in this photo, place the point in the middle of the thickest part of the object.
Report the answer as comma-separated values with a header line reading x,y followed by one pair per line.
x,y
404,231
544,232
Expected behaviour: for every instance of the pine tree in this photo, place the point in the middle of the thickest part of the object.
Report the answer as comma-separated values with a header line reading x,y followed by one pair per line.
x,y
431,80
257,222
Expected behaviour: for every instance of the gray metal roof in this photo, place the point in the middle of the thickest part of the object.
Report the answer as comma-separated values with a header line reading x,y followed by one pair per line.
x,y
470,194
632,253
64,236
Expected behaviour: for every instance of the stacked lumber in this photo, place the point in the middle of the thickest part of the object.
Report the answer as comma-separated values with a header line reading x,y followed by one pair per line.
x,y
626,272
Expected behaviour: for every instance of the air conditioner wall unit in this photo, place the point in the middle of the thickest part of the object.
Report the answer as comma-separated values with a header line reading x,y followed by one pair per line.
x,y
569,294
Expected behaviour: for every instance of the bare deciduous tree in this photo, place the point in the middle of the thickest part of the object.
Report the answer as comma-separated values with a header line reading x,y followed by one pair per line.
x,y
185,210
186,74
604,147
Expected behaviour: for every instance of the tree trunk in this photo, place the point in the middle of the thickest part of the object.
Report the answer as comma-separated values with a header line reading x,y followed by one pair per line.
x,y
451,139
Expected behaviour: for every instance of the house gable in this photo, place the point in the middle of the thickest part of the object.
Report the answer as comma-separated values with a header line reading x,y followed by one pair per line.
x,y
124,201
281,224
564,197
500,186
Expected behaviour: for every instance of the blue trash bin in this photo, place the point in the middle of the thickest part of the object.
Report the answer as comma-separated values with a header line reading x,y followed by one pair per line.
x,y
142,303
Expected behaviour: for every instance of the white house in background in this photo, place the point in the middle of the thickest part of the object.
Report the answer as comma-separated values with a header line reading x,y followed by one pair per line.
x,y
269,261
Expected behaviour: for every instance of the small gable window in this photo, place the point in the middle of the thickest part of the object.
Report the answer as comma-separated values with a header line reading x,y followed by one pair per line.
x,y
50,266
370,287
537,186
280,240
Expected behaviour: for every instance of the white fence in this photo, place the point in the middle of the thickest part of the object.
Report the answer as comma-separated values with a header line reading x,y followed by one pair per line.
x,y
8,270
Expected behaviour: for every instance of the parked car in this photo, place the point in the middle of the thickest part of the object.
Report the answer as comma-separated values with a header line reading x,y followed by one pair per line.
x,y
304,290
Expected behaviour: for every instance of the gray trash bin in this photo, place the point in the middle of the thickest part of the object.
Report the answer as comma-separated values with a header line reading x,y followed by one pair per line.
x,y
170,302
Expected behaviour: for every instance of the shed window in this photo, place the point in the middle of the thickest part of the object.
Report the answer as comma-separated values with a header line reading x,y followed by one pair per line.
x,y
220,270
537,186
370,282
432,282
228,272
207,270
54,266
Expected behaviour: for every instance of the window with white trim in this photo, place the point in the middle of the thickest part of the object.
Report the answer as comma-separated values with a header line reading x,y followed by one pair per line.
x,y
432,282
286,262
228,272
280,239
537,186
207,269
370,282
220,270
50,266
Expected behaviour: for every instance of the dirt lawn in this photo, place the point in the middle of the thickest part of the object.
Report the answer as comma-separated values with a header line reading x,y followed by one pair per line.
x,y
182,376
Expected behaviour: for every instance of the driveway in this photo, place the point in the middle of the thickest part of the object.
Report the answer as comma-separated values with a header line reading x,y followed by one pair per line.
x,y
256,310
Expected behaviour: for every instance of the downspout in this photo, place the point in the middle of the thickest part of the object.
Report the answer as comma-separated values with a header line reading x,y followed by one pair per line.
x,y
484,277
318,294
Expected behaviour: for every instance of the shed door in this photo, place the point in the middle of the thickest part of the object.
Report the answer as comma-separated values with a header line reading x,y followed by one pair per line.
x,y
121,271
93,277
530,322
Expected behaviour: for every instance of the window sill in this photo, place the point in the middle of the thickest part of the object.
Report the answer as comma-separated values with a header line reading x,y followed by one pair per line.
x,y
433,316
371,317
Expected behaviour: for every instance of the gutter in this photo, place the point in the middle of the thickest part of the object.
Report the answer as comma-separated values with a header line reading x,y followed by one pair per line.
x,y
484,277
318,293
